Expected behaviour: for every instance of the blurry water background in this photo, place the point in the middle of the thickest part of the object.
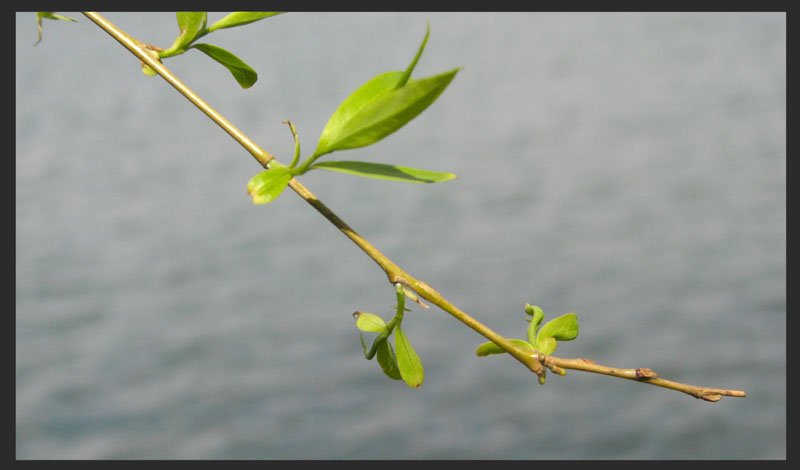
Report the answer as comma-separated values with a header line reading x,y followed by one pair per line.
x,y
628,167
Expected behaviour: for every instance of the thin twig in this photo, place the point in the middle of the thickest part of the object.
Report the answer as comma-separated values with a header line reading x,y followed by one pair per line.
x,y
642,375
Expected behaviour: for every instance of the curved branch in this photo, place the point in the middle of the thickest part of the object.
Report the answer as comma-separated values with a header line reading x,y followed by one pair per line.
x,y
532,360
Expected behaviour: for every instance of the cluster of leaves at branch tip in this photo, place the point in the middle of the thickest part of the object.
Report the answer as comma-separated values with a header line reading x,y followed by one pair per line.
x,y
541,338
375,110
400,362
194,24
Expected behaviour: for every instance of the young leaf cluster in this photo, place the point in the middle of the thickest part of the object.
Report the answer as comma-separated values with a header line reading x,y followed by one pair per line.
x,y
375,110
400,362
541,338
193,26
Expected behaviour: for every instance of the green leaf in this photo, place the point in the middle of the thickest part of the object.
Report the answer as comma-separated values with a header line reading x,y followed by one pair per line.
x,y
242,72
374,89
563,328
407,74
377,109
369,322
268,185
407,360
385,172
388,360
537,317
190,24
51,16
239,18
486,349
547,345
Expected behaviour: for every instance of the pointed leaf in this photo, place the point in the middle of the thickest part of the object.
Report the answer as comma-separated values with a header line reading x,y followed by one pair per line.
x,y
388,360
239,18
375,110
563,328
374,89
242,72
369,322
385,172
486,349
268,185
407,360
407,74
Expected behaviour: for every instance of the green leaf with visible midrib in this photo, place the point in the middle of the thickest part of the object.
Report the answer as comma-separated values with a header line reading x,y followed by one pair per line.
x,y
374,111
242,72
385,172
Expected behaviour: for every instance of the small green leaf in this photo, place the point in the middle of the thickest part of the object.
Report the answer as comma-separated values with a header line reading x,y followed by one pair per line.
x,y
369,322
148,71
388,360
563,328
242,72
190,24
537,317
268,185
407,360
385,172
486,349
547,345
51,16
377,109
239,18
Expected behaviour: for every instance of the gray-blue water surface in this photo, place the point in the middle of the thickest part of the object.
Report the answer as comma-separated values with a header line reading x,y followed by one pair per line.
x,y
627,167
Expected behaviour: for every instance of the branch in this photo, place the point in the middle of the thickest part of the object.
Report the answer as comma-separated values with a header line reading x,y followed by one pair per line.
x,y
642,375
531,359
